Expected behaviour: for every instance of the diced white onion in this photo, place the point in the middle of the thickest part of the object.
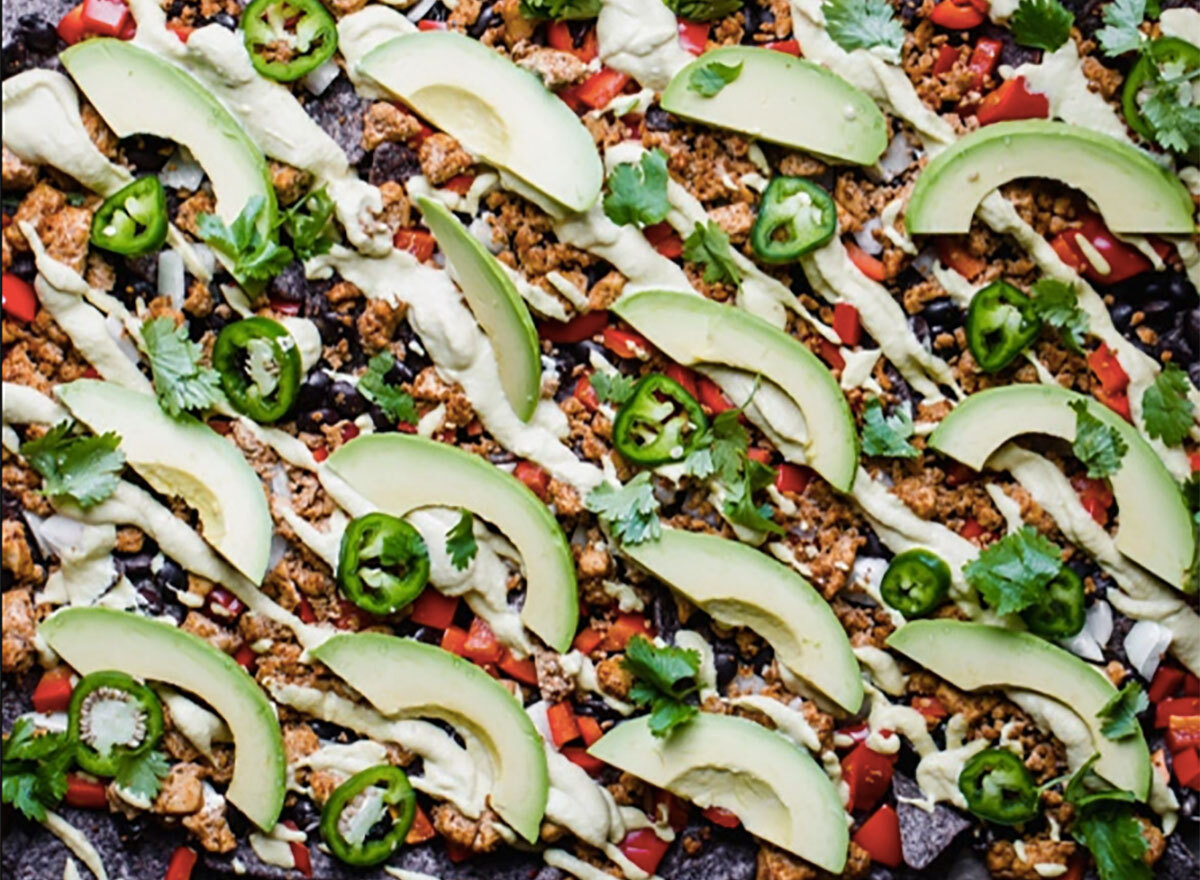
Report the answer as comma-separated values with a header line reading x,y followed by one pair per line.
x,y
181,171
896,158
1145,645
318,80
57,533
117,331
278,548
866,240
418,11
206,257
1082,644
925,263
171,282
1100,621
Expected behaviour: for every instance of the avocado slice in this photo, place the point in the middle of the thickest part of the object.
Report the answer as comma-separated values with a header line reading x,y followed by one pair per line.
x,y
496,304
693,330
975,656
499,112
1155,530
739,586
784,100
398,473
1132,191
139,93
404,676
94,639
183,456
770,783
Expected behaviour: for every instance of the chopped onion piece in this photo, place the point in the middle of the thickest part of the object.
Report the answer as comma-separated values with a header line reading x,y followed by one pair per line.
x,y
418,11
318,80
181,171
896,158
171,283
1082,644
866,240
1145,645
1100,621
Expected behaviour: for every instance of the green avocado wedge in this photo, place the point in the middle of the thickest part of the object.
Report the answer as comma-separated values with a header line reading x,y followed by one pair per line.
x,y
1155,528
399,473
1132,191
692,330
773,785
499,112
784,100
740,586
497,307
975,656
95,639
139,93
410,678
184,457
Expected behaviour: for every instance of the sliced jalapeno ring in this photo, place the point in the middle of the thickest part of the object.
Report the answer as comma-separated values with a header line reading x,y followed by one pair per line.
x,y
351,816
133,220
659,423
999,788
383,564
1001,322
794,217
287,39
259,366
1155,55
916,582
112,716
1061,613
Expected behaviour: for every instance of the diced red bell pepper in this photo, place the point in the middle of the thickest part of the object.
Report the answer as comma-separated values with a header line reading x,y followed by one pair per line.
x,y
1077,867
223,604
70,27
721,816
284,306
246,658
534,477
972,530
868,774
587,641
454,640
847,324
433,609
1012,100
957,15
625,627
1187,768
426,24
644,848
1104,364
19,300
85,794
601,87
481,645
685,377
672,808
665,240
1095,495
128,30
586,394
53,691
319,455
880,837
524,671
300,853
958,474
625,343
867,264
349,432
105,17
1191,685
182,31
711,397
1183,732
1123,261
1118,403
457,852
984,58
579,756
563,726
1181,706
792,478
946,58
952,251
183,860
930,707
1166,683
762,456
788,47
459,183
577,329
558,36
421,829
857,733
589,727
831,354
1194,462
417,242
693,35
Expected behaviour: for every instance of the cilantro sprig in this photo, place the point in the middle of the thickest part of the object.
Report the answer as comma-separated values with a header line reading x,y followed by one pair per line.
x,y
631,511
392,399
887,435
1013,573
708,244
460,541
637,194
1120,713
663,680
142,774
1057,304
1097,445
863,24
612,387
256,258
34,769
1166,407
708,80
1041,24
181,382
559,10
703,10
1122,20
85,470
308,224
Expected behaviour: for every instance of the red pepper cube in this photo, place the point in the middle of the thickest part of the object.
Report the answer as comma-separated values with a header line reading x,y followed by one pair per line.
x,y
1187,768
246,658
711,397
953,252
693,35
579,328
644,848
984,58
946,58
787,47
846,324
930,707
53,691
108,18
626,343
536,479
793,478
579,756
956,15
864,262
672,808
84,793
1166,683
433,609
665,240
481,645
831,354
880,837
421,829
70,27
417,242
1191,685
454,640
589,728
1011,101
723,817
563,726
1183,732
183,860
625,627
601,87
586,394
19,300
300,854
223,605
685,377
524,671
1104,364
868,774
587,641
1178,706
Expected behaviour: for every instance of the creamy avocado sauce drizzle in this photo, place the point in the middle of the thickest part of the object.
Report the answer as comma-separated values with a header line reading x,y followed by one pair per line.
x,y
641,38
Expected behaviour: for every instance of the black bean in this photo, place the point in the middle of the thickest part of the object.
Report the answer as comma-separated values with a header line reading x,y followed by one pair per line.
x,y
381,420
942,316
313,421
658,119
920,327
306,814
727,665
1159,313
38,33
1121,314
15,58
314,390
346,400
146,152
1177,342
874,547
290,284
151,597
400,372
225,20
172,574
485,20
137,566
393,161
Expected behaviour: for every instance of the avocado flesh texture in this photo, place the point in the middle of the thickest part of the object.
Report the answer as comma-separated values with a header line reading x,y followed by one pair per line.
x,y
410,678
139,93
693,330
184,457
399,473
1155,529
739,586
784,100
497,307
773,785
975,656
496,110
1131,190
95,639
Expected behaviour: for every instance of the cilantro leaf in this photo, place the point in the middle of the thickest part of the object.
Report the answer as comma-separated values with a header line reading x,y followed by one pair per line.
x,y
34,769
708,80
1120,713
1057,304
663,679
1085,787
1041,24
83,469
637,194
1191,496
1113,834
460,541
393,400
739,504
887,435
631,511
703,10
1120,33
1097,445
256,258
1013,573
612,387
559,10
708,244
142,775
863,24
180,382
307,222
1172,112
1166,407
